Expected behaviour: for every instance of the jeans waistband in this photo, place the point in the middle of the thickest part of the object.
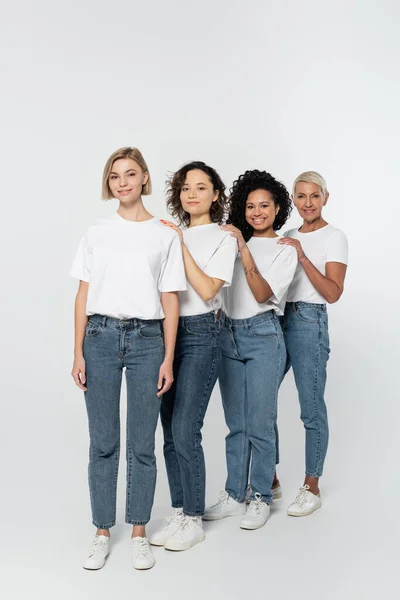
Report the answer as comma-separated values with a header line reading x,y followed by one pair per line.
x,y
265,316
103,320
210,317
301,304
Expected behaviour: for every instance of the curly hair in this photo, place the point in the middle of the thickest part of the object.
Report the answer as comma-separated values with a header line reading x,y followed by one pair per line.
x,y
249,182
174,186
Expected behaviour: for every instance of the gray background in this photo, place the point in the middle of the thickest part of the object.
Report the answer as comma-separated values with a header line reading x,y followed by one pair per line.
x,y
285,86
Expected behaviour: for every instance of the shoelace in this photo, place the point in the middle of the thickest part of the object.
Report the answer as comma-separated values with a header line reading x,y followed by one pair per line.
x,y
185,526
172,521
98,547
255,505
141,548
302,496
222,499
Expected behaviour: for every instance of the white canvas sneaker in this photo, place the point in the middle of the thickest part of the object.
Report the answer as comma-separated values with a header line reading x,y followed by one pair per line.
x,y
305,503
224,507
275,491
98,553
160,537
189,533
257,514
142,555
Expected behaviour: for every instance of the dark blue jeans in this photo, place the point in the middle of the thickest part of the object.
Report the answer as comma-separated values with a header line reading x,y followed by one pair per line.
x,y
184,406
252,366
305,327
111,345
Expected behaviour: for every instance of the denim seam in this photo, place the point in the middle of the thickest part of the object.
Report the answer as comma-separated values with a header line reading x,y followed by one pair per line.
x,y
316,383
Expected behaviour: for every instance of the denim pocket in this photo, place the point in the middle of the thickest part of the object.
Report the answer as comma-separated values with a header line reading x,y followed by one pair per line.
x,y
263,329
92,329
150,331
308,314
204,329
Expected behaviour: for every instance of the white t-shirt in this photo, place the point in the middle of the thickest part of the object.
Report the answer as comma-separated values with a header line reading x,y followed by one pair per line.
x,y
327,244
128,264
214,251
277,264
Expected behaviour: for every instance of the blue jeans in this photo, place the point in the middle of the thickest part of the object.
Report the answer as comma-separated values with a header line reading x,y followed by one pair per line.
x,y
109,346
305,327
252,366
197,358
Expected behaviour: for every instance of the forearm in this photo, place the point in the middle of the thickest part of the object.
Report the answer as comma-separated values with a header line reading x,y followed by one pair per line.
x,y
80,322
326,287
260,288
205,286
170,304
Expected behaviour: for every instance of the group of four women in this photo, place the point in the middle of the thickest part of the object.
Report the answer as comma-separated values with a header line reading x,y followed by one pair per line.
x,y
178,306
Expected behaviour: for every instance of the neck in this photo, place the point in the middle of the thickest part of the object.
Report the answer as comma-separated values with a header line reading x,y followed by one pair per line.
x,y
267,233
308,227
199,220
134,212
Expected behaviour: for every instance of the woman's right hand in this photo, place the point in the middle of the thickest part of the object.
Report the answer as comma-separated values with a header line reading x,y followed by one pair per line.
x,y
79,372
235,232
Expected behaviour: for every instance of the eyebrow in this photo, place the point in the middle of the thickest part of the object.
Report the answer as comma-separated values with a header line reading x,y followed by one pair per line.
x,y
114,173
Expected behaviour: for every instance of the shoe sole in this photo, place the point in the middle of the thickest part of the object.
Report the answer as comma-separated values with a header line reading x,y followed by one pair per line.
x,y
252,528
144,568
187,546
157,544
304,514
218,517
97,568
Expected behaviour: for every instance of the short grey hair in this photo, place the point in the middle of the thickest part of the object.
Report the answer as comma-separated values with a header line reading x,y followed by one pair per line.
x,y
311,177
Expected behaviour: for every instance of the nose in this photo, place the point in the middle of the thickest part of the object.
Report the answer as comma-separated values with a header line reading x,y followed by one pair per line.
x,y
192,194
308,202
123,183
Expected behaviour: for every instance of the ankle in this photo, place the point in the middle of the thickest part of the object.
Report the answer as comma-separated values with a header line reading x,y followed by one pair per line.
x,y
312,483
105,532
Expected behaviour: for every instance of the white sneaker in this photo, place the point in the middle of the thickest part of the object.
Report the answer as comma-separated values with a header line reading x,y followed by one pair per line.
x,y
160,537
98,553
257,514
305,503
142,555
224,507
275,491
190,532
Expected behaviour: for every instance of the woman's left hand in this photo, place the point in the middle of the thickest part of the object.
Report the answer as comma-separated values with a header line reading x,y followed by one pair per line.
x,y
165,378
173,226
296,244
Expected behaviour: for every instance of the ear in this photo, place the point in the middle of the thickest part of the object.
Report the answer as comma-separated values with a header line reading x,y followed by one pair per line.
x,y
145,178
277,209
326,198
216,196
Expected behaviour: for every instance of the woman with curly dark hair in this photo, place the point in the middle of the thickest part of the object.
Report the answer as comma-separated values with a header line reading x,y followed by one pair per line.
x,y
252,345
196,198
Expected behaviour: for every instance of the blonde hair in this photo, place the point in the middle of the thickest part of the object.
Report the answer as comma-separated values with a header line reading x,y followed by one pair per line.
x,y
311,177
126,152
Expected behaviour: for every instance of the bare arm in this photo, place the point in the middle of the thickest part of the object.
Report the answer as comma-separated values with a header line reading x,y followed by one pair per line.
x,y
79,366
206,287
170,304
330,286
260,288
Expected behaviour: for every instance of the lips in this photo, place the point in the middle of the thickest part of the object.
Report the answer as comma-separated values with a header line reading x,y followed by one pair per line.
x,y
192,203
258,221
124,192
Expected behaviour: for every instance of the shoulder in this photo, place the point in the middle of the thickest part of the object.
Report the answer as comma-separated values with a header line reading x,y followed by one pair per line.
x,y
291,233
336,234
164,233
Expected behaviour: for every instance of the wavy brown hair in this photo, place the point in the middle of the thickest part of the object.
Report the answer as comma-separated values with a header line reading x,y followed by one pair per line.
x,y
174,186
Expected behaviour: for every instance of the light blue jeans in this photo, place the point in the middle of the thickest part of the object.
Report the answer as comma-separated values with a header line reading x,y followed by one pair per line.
x,y
252,367
111,345
305,327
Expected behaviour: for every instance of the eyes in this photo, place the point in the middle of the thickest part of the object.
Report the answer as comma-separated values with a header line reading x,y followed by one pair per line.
x,y
113,176
302,196
186,188
251,206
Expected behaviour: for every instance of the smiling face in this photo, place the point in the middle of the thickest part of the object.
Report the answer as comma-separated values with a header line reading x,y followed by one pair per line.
x,y
126,180
261,211
309,200
197,193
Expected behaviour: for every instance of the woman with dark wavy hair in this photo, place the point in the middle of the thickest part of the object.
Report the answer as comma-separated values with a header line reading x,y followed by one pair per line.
x,y
196,198
253,348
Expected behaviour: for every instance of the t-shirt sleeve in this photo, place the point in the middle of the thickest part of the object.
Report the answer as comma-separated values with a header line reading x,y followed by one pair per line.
x,y
337,249
82,264
281,272
172,275
222,262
